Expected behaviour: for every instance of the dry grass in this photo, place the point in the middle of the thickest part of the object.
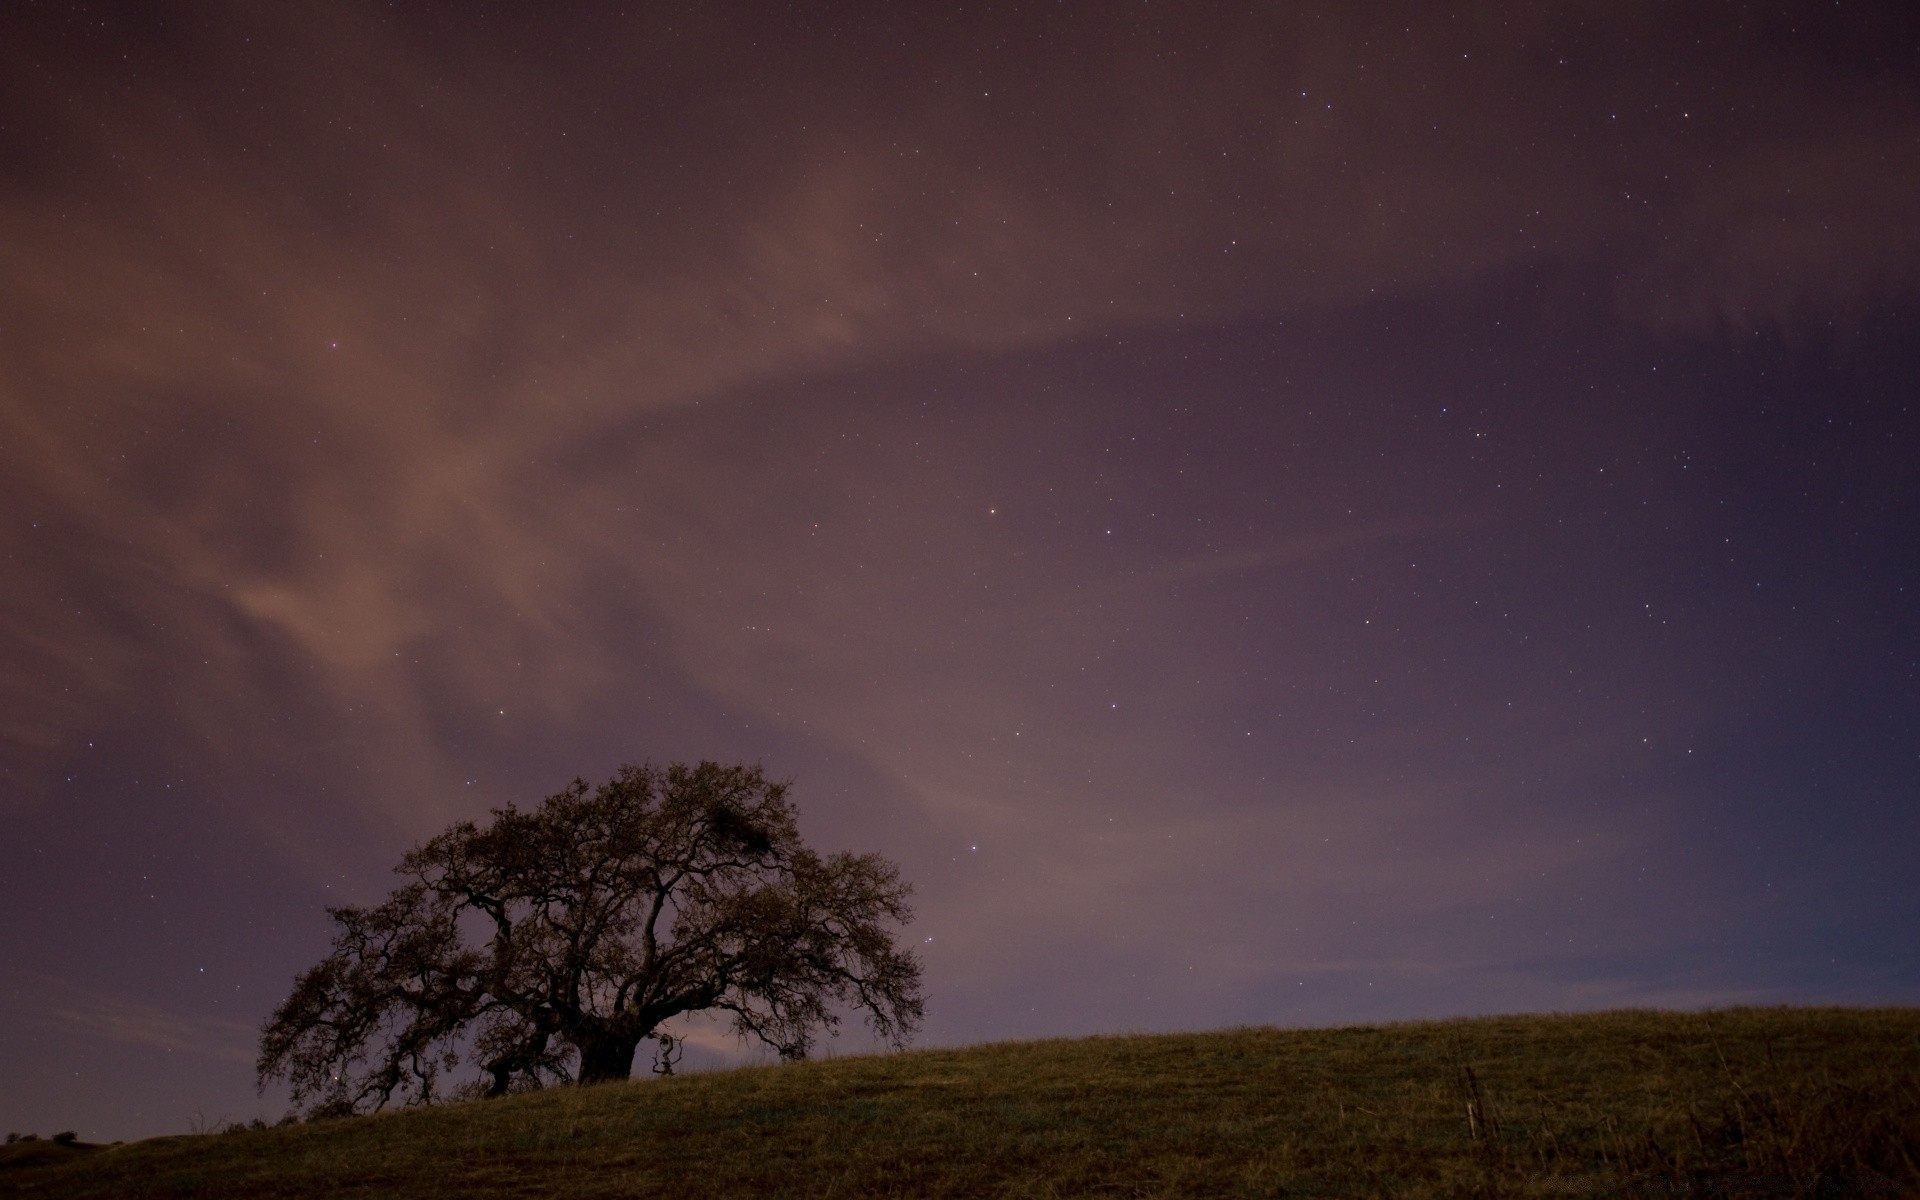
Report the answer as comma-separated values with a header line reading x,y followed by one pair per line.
x,y
1750,1102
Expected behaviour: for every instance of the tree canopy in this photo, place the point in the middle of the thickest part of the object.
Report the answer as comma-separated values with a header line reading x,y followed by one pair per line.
x,y
545,945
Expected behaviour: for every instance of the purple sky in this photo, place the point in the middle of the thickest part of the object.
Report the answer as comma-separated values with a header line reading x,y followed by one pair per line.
x,y
1269,515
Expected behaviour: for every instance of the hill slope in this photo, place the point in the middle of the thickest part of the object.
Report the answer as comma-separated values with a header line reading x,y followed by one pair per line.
x,y
1770,1101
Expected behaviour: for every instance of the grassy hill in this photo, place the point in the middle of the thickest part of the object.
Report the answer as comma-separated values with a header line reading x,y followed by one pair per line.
x,y
1746,1102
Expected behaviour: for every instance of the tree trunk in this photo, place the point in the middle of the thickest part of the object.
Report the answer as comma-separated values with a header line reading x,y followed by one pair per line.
x,y
607,1059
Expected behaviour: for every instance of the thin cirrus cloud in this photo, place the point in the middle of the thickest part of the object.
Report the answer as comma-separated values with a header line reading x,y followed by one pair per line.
x,y
102,1018
374,331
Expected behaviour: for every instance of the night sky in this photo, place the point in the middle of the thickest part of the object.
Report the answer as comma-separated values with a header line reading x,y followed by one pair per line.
x,y
1269,513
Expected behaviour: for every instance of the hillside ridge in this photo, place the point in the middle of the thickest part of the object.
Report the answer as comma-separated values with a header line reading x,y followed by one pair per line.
x,y
1775,1101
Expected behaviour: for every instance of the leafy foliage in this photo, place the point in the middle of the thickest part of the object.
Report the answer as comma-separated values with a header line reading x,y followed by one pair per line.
x,y
546,945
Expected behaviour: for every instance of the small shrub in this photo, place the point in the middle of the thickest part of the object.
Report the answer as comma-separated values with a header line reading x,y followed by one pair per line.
x,y
335,1110
65,1137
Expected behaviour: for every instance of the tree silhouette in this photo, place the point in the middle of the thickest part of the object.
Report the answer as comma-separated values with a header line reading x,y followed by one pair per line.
x,y
546,945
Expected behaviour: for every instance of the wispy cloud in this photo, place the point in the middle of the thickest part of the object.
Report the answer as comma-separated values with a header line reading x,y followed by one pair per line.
x,y
135,1023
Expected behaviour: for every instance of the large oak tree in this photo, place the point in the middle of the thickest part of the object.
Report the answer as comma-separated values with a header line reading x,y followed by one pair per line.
x,y
546,945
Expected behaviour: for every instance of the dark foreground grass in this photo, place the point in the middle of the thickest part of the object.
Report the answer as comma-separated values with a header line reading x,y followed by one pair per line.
x,y
1747,1102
